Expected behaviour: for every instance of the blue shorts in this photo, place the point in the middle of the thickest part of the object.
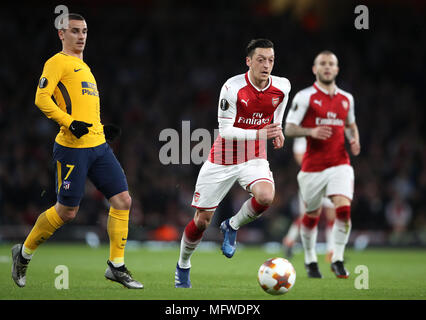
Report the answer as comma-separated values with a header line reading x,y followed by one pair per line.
x,y
74,165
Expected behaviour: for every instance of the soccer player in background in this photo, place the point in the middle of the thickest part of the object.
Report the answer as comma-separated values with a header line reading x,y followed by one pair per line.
x,y
325,115
67,93
299,149
250,111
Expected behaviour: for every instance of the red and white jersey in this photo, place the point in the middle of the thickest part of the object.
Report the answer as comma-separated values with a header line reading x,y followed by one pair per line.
x,y
243,109
313,107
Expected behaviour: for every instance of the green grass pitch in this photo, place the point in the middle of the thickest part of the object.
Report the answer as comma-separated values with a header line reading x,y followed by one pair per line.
x,y
392,274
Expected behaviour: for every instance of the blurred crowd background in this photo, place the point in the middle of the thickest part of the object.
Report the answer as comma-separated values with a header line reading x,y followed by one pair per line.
x,y
158,63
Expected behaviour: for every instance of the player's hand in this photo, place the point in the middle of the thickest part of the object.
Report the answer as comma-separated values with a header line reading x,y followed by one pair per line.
x,y
321,132
111,131
278,142
79,128
355,147
269,131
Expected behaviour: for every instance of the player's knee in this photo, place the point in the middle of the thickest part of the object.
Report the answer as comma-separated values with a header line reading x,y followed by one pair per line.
x,y
340,201
67,214
121,201
202,219
315,213
202,224
265,198
126,200
264,193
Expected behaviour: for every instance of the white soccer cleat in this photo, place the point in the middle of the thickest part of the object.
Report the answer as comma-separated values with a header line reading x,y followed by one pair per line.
x,y
19,268
122,276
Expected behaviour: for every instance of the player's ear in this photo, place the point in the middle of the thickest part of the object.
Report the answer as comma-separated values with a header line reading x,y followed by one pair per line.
x,y
61,34
248,61
314,70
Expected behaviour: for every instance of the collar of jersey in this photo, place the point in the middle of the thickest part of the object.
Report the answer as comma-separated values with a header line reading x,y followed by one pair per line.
x,y
317,86
257,89
72,57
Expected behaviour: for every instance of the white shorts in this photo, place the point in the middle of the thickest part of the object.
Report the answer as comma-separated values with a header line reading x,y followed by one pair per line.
x,y
215,180
326,203
338,180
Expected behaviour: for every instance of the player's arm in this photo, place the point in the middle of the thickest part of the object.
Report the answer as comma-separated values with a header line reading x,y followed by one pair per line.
x,y
352,134
49,80
227,111
279,111
351,129
321,132
278,141
295,117
226,114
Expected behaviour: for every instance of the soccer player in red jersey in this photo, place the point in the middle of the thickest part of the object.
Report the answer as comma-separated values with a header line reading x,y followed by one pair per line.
x,y
250,111
325,114
299,149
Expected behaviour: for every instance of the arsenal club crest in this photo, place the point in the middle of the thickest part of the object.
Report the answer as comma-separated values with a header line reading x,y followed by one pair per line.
x,y
196,196
345,104
275,102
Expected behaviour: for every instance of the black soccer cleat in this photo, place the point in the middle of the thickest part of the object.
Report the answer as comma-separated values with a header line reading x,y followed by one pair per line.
x,y
313,270
339,270
19,266
122,276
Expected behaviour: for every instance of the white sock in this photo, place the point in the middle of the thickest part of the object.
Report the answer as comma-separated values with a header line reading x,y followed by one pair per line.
x,y
25,255
244,216
340,234
293,232
117,264
187,248
309,240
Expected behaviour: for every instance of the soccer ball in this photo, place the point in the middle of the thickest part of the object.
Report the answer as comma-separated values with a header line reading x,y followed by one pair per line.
x,y
276,276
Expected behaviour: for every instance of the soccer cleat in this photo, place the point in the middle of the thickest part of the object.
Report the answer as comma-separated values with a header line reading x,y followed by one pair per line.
x,y
229,244
19,266
182,277
122,276
313,270
339,270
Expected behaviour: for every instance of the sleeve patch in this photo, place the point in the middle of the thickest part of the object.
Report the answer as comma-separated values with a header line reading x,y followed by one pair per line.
x,y
43,83
224,104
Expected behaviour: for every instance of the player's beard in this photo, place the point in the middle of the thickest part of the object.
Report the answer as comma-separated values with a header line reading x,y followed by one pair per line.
x,y
326,81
